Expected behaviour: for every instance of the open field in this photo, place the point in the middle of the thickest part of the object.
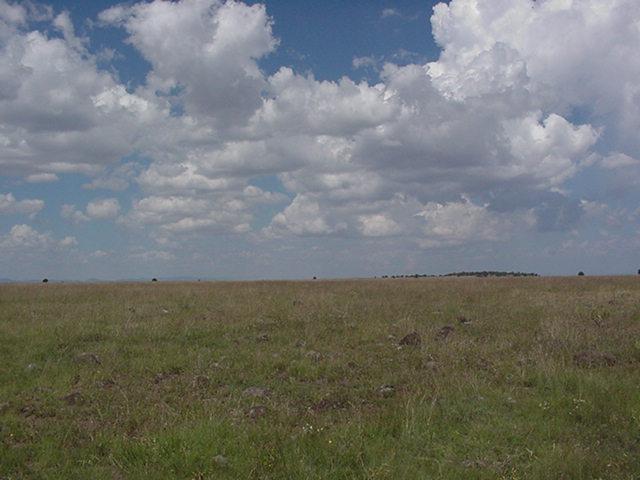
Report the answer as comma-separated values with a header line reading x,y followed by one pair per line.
x,y
308,380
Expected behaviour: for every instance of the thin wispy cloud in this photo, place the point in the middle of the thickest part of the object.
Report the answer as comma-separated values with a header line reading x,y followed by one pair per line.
x,y
390,12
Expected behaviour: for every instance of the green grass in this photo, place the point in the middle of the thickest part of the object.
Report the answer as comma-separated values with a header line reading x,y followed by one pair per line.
x,y
501,397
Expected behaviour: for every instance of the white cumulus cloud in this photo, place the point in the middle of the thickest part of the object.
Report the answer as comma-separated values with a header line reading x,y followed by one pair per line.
x,y
10,205
524,98
104,208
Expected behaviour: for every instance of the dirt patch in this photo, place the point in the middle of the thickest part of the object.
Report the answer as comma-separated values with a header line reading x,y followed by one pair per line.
x,y
328,403
201,381
594,358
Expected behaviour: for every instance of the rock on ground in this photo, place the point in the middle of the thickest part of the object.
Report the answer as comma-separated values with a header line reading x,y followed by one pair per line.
x,y
387,391
257,392
257,411
88,357
74,398
412,339
445,331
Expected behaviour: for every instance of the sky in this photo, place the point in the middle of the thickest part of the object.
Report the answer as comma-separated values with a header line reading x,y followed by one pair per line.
x,y
290,139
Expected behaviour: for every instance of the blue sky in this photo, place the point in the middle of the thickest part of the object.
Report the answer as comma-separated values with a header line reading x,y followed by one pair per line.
x,y
322,37
279,139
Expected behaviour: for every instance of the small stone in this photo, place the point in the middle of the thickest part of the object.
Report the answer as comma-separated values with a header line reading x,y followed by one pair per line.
x,y
445,331
431,365
259,392
74,398
313,355
220,460
88,357
106,383
167,374
474,464
462,320
257,411
27,410
387,391
412,339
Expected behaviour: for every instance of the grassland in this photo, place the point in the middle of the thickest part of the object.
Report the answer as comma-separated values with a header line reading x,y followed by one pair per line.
x,y
308,380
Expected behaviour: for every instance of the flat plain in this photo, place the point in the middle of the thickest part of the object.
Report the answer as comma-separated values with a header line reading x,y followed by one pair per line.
x,y
357,379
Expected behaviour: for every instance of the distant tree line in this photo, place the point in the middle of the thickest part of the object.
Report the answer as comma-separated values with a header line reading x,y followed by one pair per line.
x,y
484,273
491,274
